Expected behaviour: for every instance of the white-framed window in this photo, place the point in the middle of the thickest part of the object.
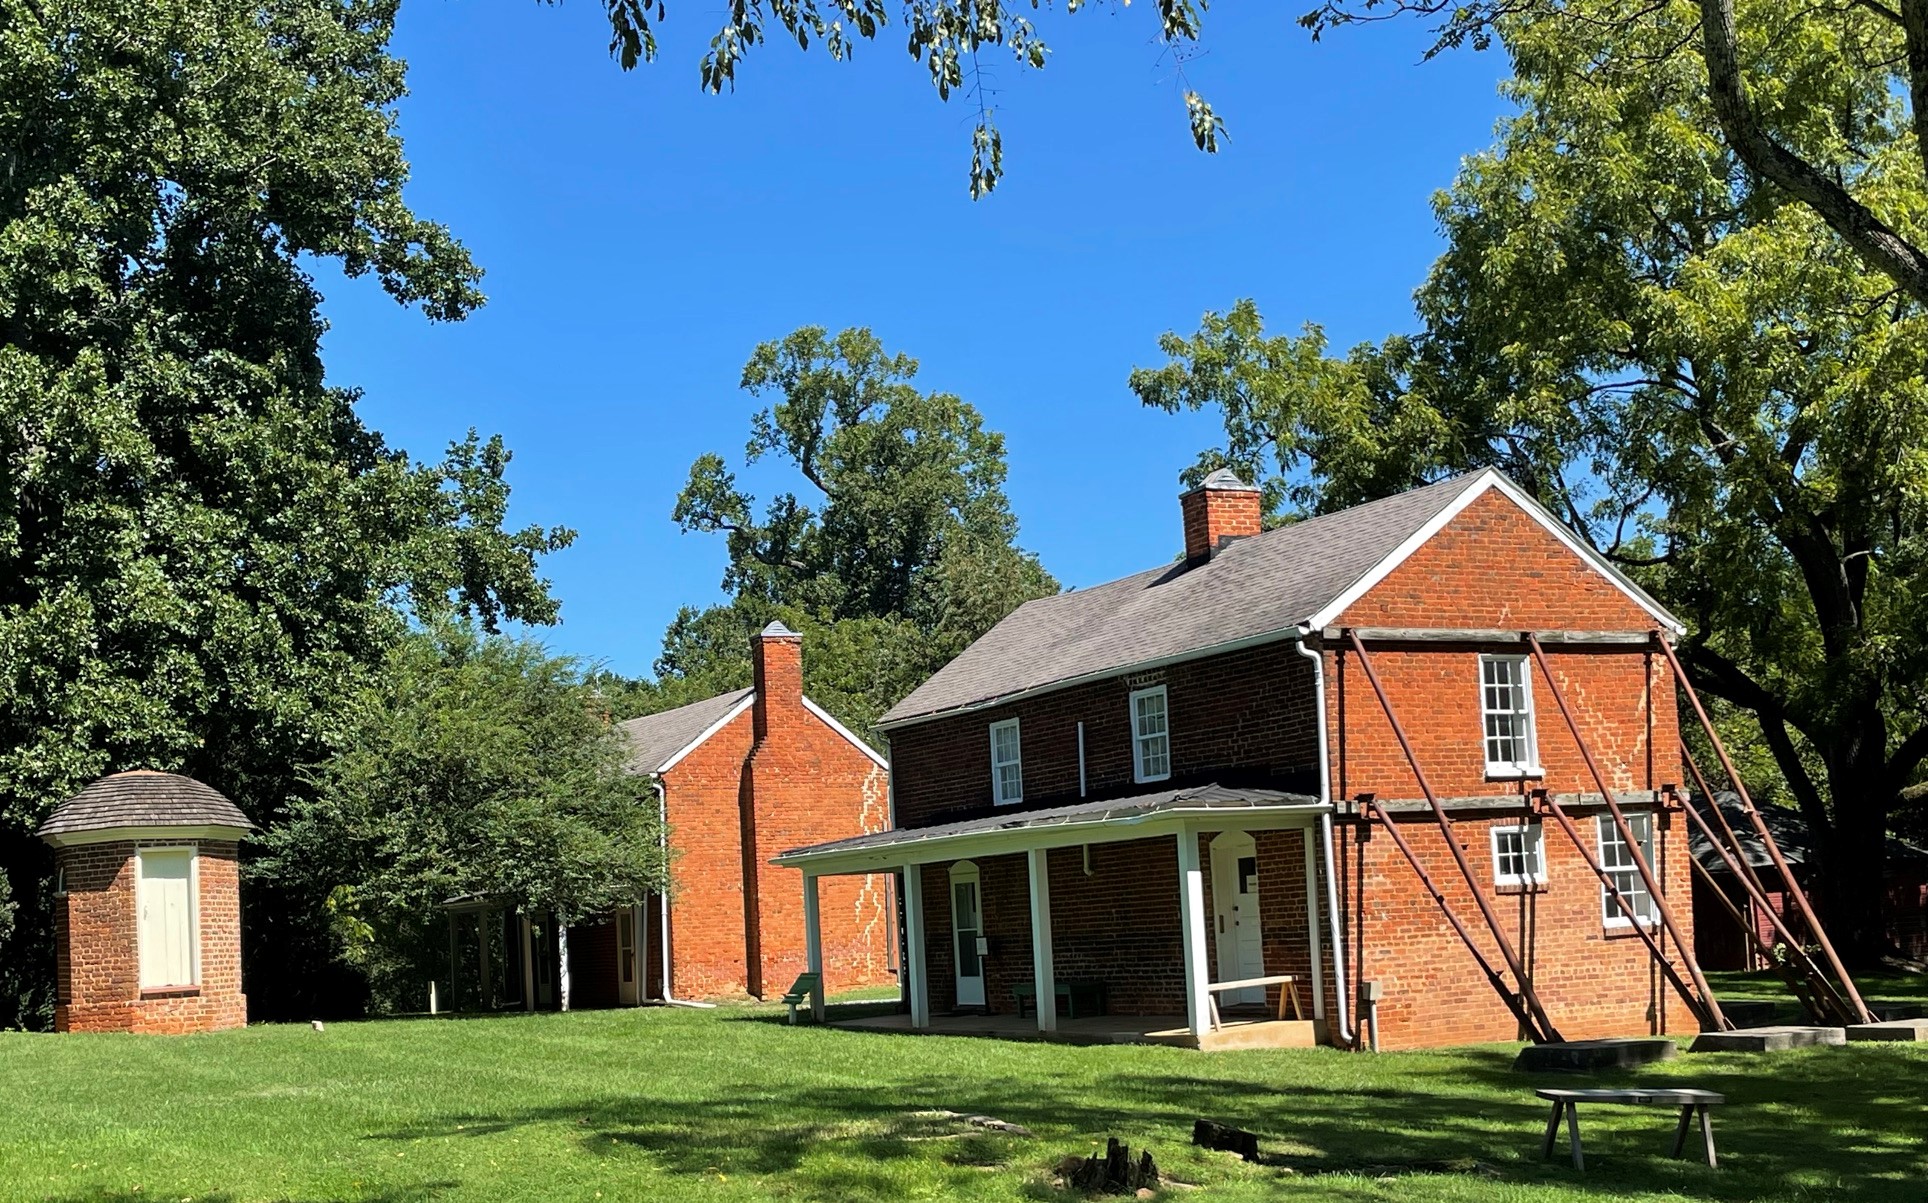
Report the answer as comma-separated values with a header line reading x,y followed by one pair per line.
x,y
1617,859
1151,744
1007,763
1519,855
1506,713
164,908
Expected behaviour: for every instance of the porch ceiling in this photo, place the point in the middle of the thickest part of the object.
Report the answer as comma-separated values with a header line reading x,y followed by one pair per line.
x,y
1207,807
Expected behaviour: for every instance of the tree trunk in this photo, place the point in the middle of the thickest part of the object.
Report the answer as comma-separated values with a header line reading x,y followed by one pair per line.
x,y
1852,852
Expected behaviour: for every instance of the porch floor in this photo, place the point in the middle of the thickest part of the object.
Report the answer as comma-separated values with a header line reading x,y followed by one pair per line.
x,y
1234,1032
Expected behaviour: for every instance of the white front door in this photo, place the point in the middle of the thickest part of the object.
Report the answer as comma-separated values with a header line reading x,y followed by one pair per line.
x,y
627,971
1237,931
967,934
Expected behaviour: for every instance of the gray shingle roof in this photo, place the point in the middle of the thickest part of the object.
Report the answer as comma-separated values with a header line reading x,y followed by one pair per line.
x,y
143,798
1197,797
1252,587
655,738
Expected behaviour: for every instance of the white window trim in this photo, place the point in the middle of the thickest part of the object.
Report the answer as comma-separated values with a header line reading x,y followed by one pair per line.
x,y
1535,842
997,781
193,914
1603,824
1138,773
1505,770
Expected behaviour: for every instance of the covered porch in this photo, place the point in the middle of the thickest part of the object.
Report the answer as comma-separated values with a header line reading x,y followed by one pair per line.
x,y
1142,919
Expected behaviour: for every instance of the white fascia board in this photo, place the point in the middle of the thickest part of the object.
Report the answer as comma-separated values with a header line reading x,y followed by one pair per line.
x,y
830,720
1475,488
181,835
749,699
1003,841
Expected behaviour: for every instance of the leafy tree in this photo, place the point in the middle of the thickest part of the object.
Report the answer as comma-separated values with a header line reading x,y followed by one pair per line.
x,y
475,765
1685,363
904,557
1771,73
202,548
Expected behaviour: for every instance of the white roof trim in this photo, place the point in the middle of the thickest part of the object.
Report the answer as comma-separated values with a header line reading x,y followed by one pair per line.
x,y
964,845
831,721
1476,488
748,699
147,833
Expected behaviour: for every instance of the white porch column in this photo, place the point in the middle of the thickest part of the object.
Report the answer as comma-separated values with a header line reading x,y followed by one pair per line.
x,y
914,966
813,944
1041,968
1191,919
562,958
1312,925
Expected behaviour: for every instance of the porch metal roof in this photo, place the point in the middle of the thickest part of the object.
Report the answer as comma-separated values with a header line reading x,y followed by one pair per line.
x,y
1080,822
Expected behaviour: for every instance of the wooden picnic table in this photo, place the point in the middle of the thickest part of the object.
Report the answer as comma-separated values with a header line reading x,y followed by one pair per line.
x,y
1692,1103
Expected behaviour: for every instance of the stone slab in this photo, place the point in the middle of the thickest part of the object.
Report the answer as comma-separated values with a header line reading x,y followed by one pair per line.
x,y
1894,1029
1774,1039
1588,1056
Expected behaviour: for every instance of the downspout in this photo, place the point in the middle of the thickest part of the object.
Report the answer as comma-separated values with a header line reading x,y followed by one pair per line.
x,y
1343,1012
662,898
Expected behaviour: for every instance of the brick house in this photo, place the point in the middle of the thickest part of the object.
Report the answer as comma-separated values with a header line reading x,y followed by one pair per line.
x,y
147,906
1140,791
737,776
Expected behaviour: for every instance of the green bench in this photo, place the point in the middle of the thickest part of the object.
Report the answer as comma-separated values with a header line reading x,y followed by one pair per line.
x,y
1078,995
800,992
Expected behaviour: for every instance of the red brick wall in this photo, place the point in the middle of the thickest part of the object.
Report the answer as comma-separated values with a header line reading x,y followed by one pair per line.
x,y
98,950
810,784
706,865
1592,980
1241,717
801,783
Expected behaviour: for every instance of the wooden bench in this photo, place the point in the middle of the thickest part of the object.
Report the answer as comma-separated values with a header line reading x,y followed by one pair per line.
x,y
1074,992
1288,994
800,990
1691,1103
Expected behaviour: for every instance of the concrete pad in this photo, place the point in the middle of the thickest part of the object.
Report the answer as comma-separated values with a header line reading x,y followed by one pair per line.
x,y
1587,1056
1767,1040
1894,1029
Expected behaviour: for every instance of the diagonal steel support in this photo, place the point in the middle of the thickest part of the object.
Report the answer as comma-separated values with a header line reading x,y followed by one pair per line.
x,y
1794,890
1542,1028
1702,1000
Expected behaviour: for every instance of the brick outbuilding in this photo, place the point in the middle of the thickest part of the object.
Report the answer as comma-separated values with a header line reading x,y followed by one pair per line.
x,y
147,922
1144,790
738,777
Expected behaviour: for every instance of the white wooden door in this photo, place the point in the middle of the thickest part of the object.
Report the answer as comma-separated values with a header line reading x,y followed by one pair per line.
x,y
967,933
627,972
164,897
1238,933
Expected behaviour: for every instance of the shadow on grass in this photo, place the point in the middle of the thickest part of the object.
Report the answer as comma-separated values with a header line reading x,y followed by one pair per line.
x,y
1834,1121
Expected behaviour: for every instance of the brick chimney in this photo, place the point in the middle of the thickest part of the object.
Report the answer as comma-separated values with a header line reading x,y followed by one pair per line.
x,y
1222,508
778,656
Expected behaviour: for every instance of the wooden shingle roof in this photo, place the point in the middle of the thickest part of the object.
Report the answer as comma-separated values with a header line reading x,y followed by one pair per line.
x,y
143,798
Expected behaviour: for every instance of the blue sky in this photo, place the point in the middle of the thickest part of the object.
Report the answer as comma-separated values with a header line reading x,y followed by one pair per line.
x,y
641,237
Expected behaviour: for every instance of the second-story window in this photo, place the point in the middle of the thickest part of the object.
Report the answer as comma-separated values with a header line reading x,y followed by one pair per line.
x,y
1007,763
1151,748
1506,710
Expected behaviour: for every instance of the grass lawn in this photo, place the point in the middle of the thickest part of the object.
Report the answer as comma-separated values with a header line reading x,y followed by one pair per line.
x,y
732,1105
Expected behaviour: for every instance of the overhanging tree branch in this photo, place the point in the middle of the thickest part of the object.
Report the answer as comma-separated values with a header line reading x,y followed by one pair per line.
x,y
1878,243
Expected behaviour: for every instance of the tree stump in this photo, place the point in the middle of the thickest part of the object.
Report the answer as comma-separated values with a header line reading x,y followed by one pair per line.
x,y
1115,1173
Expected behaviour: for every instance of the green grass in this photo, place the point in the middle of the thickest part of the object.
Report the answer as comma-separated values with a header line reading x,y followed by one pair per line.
x,y
1907,990
731,1105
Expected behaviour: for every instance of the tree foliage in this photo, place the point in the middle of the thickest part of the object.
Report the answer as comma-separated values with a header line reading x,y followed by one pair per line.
x,y
202,548
1688,365
945,36
901,554
475,766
